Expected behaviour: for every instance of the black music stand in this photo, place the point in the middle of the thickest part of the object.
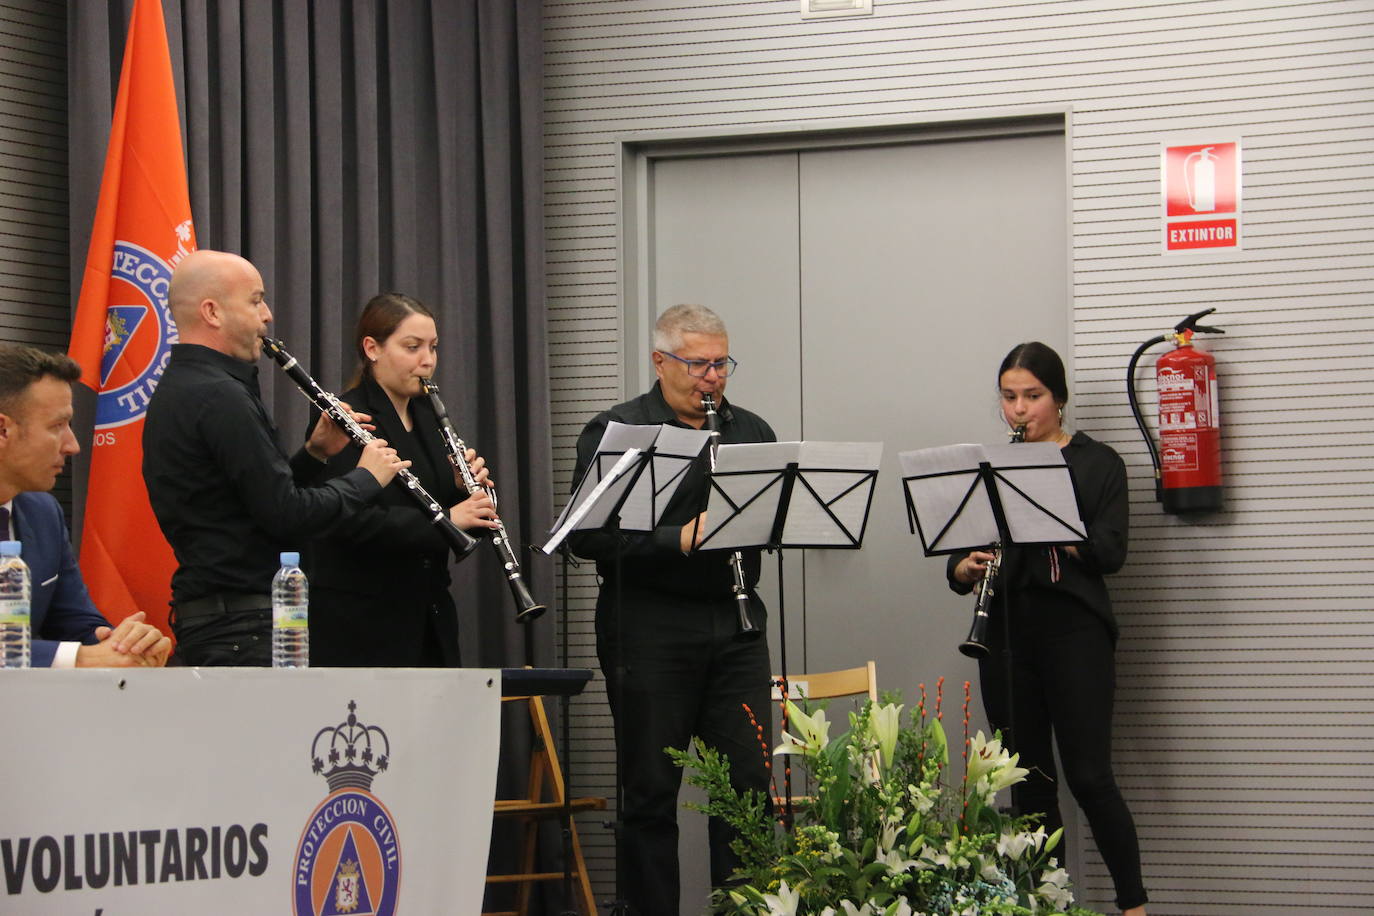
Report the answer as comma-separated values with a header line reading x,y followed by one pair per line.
x,y
630,481
779,495
965,497
973,497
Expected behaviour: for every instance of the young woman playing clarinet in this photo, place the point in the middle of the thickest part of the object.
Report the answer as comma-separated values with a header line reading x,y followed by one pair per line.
x,y
1062,632
379,582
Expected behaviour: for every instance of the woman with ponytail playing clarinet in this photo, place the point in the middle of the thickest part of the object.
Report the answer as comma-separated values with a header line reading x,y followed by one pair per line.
x,y
1063,634
379,581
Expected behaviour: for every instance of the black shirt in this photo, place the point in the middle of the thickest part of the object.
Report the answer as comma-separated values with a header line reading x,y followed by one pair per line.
x,y
655,559
221,486
1049,573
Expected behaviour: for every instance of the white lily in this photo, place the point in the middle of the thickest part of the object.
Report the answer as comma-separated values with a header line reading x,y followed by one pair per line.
x,y
783,903
991,873
812,732
883,725
894,861
851,910
1014,845
1054,888
988,760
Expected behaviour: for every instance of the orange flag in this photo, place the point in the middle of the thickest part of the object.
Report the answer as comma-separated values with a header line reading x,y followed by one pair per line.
x,y
123,331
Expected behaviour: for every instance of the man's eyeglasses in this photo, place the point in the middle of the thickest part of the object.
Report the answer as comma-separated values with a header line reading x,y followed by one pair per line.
x,y
697,368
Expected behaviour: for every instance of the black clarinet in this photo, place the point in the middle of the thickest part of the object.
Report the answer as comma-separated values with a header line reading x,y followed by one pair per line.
x,y
526,608
747,629
976,645
458,540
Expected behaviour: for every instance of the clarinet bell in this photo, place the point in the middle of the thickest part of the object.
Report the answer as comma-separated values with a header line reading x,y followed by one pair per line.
x,y
975,645
529,608
747,631
459,541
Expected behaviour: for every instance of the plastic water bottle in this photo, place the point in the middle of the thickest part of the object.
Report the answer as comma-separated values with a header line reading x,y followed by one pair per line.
x,y
14,607
290,614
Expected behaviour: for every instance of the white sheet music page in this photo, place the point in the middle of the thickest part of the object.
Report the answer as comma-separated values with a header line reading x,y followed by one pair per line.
x,y
1036,490
675,449
831,470
615,441
748,473
944,477
578,512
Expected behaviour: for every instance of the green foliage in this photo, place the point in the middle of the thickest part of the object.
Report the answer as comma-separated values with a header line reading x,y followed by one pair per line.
x,y
888,831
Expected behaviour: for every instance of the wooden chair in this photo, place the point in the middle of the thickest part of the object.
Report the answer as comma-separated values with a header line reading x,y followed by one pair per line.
x,y
860,683
543,800
827,685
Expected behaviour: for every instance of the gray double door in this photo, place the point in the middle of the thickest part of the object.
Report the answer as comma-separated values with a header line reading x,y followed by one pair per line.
x,y
870,291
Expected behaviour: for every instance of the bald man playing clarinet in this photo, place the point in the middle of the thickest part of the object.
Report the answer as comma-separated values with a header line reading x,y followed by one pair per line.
x,y
225,493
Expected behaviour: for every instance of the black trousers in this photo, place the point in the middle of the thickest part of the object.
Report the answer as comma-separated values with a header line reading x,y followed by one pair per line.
x,y
228,638
1063,682
685,674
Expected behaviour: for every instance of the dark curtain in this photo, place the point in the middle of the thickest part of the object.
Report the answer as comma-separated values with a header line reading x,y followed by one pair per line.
x,y
349,147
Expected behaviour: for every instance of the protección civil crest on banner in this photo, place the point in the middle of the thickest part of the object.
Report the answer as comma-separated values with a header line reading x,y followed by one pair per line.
x,y
348,861
139,333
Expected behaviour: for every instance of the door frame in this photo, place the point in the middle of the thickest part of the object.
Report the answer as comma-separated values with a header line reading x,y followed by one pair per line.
x,y
637,154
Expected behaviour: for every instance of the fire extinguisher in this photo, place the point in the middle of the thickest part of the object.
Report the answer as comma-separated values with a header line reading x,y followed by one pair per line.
x,y
1188,460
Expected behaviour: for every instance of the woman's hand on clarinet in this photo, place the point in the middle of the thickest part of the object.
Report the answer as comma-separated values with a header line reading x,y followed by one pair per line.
x,y
478,465
971,568
327,439
381,461
474,512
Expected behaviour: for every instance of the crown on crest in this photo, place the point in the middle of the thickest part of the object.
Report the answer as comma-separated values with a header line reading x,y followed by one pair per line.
x,y
349,755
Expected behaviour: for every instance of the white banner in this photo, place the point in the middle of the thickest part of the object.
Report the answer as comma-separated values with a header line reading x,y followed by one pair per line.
x,y
363,792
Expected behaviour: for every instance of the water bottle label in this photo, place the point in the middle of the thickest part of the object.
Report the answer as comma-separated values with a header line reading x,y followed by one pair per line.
x,y
292,617
14,613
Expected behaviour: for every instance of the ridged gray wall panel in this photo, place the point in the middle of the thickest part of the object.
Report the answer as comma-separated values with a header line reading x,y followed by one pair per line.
x,y
35,299
1246,707
34,304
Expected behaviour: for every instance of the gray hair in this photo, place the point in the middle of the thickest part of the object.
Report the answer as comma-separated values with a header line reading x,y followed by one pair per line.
x,y
685,319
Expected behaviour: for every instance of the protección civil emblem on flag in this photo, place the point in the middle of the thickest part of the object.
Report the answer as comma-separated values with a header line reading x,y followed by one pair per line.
x,y
123,330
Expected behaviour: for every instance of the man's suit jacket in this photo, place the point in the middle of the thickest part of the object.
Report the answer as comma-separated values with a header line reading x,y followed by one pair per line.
x,y
61,608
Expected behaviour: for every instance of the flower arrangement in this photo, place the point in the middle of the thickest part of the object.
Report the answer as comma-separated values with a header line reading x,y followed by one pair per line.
x,y
889,829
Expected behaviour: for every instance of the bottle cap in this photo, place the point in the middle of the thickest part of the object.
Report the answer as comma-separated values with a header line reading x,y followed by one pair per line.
x,y
290,558
9,549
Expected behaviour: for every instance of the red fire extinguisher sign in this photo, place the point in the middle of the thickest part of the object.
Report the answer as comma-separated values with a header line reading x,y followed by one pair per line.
x,y
1201,195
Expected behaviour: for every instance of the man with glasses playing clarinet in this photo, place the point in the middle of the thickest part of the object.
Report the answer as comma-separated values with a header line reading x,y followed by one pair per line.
x,y
688,670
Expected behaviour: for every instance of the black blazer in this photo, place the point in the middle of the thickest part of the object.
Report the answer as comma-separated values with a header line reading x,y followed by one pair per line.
x,y
379,581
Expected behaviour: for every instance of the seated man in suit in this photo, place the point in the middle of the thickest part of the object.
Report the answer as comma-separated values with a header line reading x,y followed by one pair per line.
x,y
35,440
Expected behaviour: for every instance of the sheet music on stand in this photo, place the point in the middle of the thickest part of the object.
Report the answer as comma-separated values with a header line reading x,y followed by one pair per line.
x,y
968,496
820,491
636,471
